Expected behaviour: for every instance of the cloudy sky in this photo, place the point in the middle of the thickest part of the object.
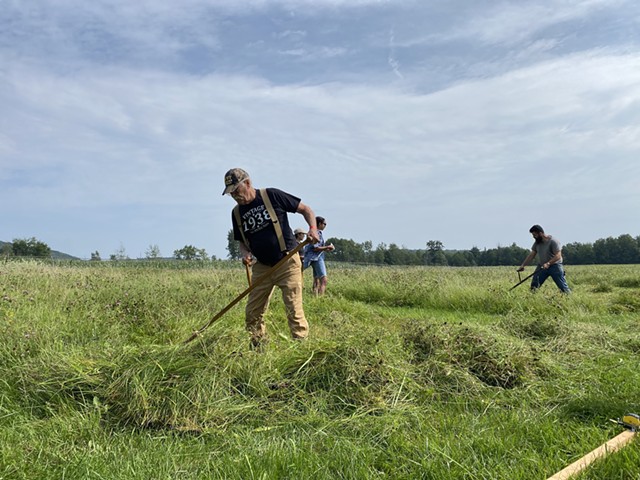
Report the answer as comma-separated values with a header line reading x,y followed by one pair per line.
x,y
399,121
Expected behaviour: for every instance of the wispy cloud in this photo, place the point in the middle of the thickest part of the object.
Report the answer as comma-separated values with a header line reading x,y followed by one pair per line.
x,y
145,122
514,22
314,53
393,63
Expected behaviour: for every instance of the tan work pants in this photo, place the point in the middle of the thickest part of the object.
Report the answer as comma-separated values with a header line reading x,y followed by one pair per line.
x,y
289,279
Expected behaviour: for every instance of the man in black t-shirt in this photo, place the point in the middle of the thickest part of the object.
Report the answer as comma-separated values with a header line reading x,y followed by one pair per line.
x,y
258,237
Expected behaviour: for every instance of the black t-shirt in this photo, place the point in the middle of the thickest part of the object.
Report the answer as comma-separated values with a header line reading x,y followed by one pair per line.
x,y
258,227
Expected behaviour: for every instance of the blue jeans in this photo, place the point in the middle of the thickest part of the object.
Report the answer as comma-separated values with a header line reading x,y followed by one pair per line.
x,y
556,272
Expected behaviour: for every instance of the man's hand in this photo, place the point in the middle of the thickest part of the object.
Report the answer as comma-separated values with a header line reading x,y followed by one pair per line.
x,y
313,235
521,269
247,259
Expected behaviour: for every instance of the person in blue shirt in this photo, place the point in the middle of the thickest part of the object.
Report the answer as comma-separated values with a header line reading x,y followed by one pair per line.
x,y
314,257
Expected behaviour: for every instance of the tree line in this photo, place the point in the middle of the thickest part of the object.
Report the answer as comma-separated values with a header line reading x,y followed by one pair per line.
x,y
624,249
25,247
434,254
32,247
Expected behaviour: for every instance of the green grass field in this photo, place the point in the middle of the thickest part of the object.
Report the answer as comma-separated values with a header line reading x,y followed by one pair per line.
x,y
433,373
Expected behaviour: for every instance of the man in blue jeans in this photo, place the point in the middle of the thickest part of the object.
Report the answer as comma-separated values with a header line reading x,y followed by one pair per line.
x,y
549,252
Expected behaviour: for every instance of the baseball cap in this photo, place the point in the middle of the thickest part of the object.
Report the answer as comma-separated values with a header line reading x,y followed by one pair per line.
x,y
232,178
299,230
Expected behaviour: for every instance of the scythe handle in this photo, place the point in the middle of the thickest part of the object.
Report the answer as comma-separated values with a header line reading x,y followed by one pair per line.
x,y
253,285
524,279
603,450
248,270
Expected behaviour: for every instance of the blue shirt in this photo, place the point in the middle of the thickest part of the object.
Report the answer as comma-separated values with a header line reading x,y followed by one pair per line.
x,y
309,254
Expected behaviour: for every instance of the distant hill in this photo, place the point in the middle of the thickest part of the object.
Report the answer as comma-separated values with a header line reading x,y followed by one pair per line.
x,y
54,253
62,256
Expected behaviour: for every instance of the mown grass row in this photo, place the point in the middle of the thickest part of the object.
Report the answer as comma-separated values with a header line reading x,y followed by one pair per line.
x,y
409,373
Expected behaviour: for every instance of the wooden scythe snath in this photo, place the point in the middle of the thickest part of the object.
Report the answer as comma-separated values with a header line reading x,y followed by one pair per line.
x,y
616,443
248,269
252,285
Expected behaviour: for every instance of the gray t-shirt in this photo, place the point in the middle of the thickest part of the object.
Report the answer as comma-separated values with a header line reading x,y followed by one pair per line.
x,y
547,249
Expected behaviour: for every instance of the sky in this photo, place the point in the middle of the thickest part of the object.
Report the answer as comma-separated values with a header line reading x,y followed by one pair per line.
x,y
398,121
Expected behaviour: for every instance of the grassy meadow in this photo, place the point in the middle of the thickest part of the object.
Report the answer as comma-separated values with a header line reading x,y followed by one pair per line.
x,y
409,373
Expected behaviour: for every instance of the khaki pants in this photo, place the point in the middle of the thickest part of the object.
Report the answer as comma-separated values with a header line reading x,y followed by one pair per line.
x,y
289,279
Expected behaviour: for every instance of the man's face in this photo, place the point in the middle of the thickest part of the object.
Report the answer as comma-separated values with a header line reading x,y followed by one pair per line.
x,y
538,236
241,193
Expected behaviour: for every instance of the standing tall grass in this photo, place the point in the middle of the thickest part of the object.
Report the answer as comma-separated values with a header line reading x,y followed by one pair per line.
x,y
408,373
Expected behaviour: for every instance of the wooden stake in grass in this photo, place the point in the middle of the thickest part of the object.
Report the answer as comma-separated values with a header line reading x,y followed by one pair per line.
x,y
603,450
253,285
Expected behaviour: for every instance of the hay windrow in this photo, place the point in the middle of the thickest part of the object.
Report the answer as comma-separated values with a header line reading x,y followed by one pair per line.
x,y
448,351
349,377
541,328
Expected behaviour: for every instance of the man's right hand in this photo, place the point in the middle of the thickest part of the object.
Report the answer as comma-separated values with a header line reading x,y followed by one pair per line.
x,y
521,269
247,259
313,235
